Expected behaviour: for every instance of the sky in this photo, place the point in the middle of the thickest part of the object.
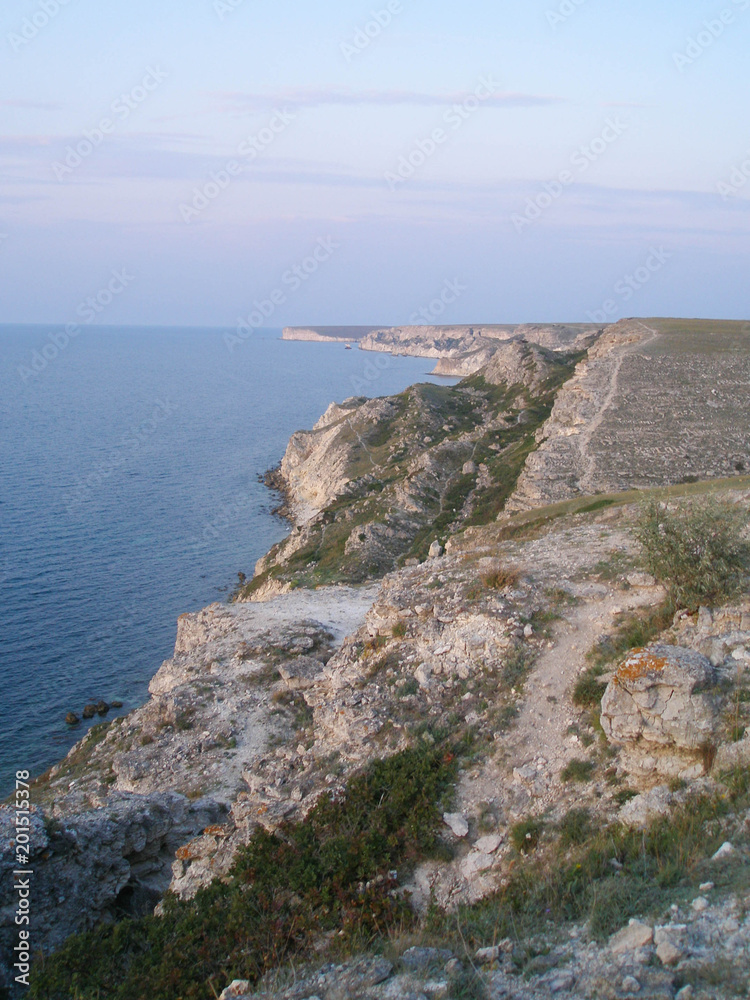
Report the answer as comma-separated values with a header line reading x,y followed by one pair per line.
x,y
194,162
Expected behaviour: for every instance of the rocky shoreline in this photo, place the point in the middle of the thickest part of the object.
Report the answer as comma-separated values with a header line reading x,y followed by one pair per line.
x,y
276,700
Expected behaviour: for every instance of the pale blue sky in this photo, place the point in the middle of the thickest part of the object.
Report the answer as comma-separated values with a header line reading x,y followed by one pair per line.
x,y
675,133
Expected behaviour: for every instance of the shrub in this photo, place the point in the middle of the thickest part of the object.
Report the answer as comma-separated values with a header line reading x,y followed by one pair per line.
x,y
525,835
501,579
399,630
327,873
696,549
589,690
575,827
578,770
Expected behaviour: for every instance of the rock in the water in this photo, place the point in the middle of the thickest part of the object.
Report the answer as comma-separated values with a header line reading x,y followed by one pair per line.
x,y
72,719
89,712
660,695
102,708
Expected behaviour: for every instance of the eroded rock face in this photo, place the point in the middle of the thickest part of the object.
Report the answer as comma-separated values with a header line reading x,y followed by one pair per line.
x,y
661,695
101,864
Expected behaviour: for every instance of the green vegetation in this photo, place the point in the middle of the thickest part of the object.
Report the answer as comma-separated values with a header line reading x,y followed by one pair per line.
x,y
451,424
578,770
635,629
614,873
525,835
695,548
589,690
575,827
328,873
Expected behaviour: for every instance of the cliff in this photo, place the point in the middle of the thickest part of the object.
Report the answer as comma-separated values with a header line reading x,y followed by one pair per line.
x,y
654,403
454,590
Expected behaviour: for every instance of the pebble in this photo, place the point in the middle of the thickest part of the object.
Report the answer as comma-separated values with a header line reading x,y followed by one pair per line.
x,y
631,985
706,886
700,904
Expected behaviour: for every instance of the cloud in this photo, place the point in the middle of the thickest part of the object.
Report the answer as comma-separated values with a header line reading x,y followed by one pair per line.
x,y
238,102
30,105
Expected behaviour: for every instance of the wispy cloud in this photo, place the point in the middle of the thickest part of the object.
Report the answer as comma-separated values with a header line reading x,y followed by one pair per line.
x,y
30,105
237,102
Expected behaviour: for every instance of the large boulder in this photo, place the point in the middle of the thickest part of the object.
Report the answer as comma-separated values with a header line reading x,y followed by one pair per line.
x,y
662,695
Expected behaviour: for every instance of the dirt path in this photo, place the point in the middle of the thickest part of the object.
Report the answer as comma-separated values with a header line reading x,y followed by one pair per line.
x,y
541,731
586,437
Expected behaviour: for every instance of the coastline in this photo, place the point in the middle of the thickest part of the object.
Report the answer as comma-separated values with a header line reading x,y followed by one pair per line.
x,y
266,705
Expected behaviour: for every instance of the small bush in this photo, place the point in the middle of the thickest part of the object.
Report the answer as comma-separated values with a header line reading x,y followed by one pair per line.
x,y
329,873
578,770
501,579
525,835
696,549
589,690
399,630
575,827
637,629
516,668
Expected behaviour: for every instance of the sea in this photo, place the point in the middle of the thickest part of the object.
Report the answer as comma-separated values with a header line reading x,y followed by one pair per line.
x,y
130,493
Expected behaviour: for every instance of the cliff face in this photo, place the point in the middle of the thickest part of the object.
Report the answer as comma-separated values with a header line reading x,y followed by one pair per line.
x,y
377,481
460,350
651,405
408,602
279,704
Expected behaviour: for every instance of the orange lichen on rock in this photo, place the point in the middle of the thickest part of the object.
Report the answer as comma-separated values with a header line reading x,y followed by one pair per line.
x,y
216,831
640,663
187,852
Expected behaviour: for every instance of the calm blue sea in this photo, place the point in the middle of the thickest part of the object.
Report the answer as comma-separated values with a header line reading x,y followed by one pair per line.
x,y
129,494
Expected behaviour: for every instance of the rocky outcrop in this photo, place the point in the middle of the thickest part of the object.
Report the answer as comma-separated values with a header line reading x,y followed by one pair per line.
x,y
102,864
663,695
